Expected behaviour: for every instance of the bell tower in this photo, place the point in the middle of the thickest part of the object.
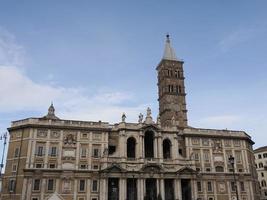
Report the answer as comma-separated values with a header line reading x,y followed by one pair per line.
x,y
171,89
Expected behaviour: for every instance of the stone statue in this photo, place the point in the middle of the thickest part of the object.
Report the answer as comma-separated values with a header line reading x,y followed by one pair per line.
x,y
140,120
123,117
158,120
148,112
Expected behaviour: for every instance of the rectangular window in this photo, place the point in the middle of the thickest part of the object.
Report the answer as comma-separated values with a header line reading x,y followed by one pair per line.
x,y
11,185
36,184
14,168
209,187
95,167
53,151
35,198
83,166
83,152
82,185
238,157
16,153
96,153
52,165
259,156
50,184
233,186
205,142
237,143
227,143
242,186
196,156
94,186
206,156
199,188
38,165
40,151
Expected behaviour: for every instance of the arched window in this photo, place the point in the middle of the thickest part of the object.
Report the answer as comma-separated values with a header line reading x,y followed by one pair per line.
x,y
131,147
263,183
219,169
260,165
166,149
149,144
179,89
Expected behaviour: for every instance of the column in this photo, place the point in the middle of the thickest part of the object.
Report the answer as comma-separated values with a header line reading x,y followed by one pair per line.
x,y
33,154
88,188
174,148
43,188
162,192
141,143
75,189
46,154
160,152
194,189
122,189
24,188
178,185
155,143
28,161
57,186
60,150
77,150
29,189
177,189
140,190
103,189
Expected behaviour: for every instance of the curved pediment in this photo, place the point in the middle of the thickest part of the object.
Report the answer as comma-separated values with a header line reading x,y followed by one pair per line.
x,y
152,168
186,170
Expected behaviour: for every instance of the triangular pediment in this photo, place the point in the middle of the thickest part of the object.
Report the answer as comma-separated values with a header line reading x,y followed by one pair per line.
x,y
150,127
114,168
54,196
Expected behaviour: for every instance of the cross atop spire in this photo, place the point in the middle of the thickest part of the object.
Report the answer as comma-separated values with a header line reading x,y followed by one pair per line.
x,y
169,53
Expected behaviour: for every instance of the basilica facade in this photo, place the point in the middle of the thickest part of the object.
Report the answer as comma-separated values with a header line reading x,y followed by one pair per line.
x,y
163,158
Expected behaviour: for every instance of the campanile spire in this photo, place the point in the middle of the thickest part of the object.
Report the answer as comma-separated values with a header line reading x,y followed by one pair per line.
x,y
171,89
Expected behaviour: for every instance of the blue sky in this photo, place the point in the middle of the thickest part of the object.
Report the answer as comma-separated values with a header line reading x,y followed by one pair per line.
x,y
97,59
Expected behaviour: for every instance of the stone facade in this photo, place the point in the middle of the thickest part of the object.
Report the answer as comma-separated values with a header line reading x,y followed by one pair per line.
x,y
52,158
261,166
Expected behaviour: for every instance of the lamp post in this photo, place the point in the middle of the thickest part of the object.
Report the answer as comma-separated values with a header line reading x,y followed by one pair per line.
x,y
232,162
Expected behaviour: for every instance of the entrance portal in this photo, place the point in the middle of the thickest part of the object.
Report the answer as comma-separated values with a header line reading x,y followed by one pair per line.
x,y
151,189
169,190
113,189
131,189
186,189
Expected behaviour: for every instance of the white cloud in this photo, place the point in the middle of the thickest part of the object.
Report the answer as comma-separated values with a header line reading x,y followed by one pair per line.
x,y
20,93
241,35
222,121
10,52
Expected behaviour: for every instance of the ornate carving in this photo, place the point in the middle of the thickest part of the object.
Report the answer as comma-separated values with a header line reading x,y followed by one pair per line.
x,y
42,133
69,139
217,146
